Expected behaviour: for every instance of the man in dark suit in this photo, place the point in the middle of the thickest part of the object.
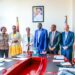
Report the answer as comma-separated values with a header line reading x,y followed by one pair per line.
x,y
67,40
54,40
40,39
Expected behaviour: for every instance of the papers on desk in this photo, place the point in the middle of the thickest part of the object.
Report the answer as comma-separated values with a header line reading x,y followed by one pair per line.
x,y
7,60
1,68
65,63
59,57
1,59
20,58
65,72
69,69
54,60
1,64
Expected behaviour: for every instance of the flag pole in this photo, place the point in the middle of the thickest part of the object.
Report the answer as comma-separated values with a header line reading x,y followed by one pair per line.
x,y
17,24
66,20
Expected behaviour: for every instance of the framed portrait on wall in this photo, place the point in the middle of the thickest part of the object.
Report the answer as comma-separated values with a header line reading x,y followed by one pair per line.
x,y
38,13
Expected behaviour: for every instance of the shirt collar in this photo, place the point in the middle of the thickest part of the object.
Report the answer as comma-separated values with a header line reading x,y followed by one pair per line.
x,y
54,31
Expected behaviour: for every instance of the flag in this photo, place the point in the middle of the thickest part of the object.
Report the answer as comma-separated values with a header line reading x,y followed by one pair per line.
x,y
66,20
17,24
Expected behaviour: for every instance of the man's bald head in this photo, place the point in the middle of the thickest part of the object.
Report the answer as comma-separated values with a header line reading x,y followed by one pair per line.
x,y
39,25
66,27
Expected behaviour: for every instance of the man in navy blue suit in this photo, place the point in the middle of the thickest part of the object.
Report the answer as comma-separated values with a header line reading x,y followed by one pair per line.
x,y
67,40
40,39
54,40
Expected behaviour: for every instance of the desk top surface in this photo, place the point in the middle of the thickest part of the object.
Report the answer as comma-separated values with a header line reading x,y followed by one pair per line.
x,y
52,66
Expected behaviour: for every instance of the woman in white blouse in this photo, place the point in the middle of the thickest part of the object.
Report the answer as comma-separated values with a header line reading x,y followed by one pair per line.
x,y
28,41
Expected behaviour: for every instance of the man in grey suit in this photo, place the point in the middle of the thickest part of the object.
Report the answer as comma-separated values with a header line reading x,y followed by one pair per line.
x,y
54,40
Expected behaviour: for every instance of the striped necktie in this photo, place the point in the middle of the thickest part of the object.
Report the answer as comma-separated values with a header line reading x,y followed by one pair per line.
x,y
52,39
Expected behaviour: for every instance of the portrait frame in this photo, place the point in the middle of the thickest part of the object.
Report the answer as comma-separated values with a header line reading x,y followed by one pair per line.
x,y
37,13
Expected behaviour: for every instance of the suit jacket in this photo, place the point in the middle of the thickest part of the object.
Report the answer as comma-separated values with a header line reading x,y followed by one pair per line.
x,y
68,42
42,44
56,41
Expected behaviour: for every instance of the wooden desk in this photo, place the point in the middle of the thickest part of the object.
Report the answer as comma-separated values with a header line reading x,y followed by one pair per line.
x,y
33,66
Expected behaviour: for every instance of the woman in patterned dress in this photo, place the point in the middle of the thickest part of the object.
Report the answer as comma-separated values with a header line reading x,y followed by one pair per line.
x,y
15,43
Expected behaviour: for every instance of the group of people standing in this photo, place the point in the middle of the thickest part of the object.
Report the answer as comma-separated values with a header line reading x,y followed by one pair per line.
x,y
55,41
10,45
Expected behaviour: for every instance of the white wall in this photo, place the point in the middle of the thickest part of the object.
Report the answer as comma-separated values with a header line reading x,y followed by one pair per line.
x,y
74,15
55,10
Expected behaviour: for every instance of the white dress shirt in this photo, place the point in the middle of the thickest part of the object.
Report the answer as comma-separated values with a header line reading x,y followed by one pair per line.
x,y
66,34
39,33
53,35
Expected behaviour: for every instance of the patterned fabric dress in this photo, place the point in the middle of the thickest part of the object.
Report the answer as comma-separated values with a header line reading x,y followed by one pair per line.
x,y
15,48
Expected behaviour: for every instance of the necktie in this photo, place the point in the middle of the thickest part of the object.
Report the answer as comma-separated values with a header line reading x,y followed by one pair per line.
x,y
28,43
65,37
52,38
